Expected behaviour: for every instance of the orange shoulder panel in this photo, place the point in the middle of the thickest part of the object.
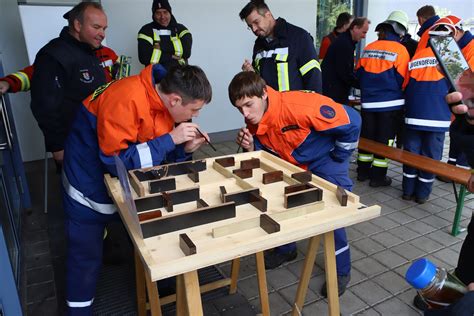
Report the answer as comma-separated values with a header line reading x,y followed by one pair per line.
x,y
422,67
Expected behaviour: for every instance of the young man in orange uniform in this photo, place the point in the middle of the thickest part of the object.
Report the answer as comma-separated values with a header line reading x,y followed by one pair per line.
x,y
135,119
305,129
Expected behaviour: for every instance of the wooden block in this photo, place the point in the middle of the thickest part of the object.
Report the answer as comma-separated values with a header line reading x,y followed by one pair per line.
x,y
185,195
186,245
241,197
194,176
186,167
201,203
144,216
149,203
303,177
272,176
174,222
136,184
341,195
223,192
258,201
250,163
243,173
226,161
303,197
297,187
168,201
160,185
268,224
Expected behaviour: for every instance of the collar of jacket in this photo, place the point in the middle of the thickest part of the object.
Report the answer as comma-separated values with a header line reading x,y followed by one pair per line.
x,y
149,76
428,23
272,114
392,37
349,37
465,39
173,23
281,29
66,36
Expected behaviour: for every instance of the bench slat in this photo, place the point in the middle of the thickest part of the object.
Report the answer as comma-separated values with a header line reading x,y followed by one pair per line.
x,y
456,174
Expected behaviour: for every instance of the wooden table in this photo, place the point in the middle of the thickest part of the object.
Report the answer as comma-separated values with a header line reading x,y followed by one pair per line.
x,y
160,257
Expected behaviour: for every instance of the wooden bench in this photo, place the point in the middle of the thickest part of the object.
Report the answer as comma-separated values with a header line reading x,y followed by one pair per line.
x,y
439,168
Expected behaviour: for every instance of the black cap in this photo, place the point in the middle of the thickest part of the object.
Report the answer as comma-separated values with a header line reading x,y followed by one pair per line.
x,y
161,4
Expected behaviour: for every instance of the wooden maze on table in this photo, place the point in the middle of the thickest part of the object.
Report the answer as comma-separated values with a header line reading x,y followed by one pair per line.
x,y
188,213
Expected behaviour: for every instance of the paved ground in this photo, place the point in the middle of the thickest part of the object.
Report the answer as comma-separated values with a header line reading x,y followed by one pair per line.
x,y
381,251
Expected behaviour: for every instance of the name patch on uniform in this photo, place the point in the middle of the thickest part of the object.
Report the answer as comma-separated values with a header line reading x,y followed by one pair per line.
x,y
423,63
86,76
327,111
379,54
289,128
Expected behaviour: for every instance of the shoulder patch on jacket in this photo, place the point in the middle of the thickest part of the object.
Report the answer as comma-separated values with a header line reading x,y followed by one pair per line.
x,y
327,111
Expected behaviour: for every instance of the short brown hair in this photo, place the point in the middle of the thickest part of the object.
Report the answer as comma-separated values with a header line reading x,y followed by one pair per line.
x,y
77,13
258,5
190,82
426,12
359,22
246,84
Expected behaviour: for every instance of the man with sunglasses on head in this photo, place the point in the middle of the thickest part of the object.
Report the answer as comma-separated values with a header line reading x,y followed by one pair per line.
x,y
283,54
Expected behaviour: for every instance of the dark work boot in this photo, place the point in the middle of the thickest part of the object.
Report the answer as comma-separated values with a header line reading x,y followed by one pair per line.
x,y
274,259
385,182
342,281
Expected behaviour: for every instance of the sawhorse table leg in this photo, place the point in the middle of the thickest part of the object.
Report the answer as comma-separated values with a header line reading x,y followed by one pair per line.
x,y
262,283
331,276
306,275
141,286
188,299
234,275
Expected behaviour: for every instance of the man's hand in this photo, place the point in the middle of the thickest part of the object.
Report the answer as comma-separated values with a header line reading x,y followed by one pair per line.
x,y
247,66
193,144
4,86
455,97
184,132
245,139
59,156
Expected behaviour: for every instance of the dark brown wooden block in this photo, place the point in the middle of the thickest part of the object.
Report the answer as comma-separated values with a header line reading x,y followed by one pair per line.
x,y
144,216
258,201
149,203
298,187
250,163
160,185
341,195
302,177
243,173
186,245
268,224
194,176
272,176
159,172
226,161
241,197
174,222
303,197
168,201
201,203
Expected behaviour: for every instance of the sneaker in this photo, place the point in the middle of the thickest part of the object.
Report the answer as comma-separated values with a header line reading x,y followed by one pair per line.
x,y
407,197
380,183
362,177
274,259
342,281
420,303
421,200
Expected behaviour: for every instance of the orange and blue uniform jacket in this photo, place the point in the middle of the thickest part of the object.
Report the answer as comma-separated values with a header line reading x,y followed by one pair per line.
x,y
311,131
21,80
423,33
125,118
382,69
466,43
289,60
426,107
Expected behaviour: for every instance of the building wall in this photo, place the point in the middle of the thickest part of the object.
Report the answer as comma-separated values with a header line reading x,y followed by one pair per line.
x,y
14,57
